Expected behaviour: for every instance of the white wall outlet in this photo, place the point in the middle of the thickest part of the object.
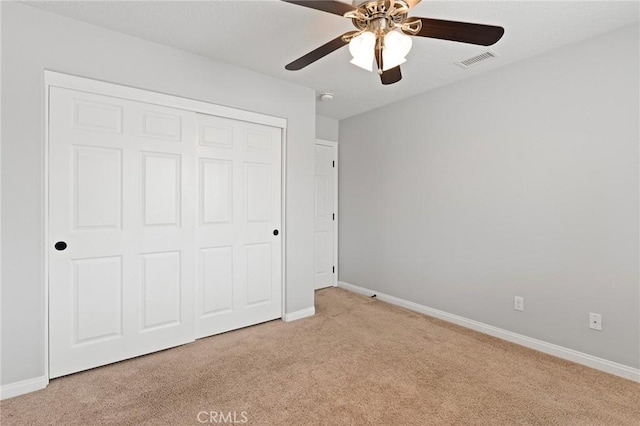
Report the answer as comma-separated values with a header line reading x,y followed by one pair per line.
x,y
595,321
518,303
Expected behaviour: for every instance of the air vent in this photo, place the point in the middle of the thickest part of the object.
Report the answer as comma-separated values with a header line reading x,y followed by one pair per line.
x,y
467,63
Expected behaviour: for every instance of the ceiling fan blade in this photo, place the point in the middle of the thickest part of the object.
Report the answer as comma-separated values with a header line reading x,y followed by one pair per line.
x,y
390,76
318,53
335,7
464,32
412,3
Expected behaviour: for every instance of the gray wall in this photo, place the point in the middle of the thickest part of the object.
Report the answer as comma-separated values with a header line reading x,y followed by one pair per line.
x,y
326,128
33,40
522,181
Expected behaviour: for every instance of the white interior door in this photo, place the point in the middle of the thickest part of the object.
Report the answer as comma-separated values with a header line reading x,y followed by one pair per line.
x,y
325,214
122,199
238,235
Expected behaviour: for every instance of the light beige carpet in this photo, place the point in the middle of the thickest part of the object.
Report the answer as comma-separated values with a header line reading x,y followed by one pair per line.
x,y
358,361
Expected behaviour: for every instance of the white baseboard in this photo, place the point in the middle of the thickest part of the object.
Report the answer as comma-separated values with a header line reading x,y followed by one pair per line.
x,y
601,364
22,387
303,313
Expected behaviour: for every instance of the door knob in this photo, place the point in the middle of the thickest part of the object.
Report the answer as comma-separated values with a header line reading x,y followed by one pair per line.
x,y
60,245
275,232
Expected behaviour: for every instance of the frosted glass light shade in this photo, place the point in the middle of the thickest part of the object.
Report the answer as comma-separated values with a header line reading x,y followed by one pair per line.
x,y
396,47
362,50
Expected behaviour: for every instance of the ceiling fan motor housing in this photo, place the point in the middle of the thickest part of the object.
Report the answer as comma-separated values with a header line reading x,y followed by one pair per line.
x,y
378,15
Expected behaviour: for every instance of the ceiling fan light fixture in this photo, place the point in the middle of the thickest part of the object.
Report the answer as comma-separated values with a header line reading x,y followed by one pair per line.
x,y
396,48
381,36
362,50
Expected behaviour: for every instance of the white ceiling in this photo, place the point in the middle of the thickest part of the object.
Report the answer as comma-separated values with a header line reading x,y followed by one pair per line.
x,y
266,35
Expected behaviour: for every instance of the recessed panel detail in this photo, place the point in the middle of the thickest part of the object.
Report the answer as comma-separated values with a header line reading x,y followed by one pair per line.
x,y
161,126
258,192
216,135
97,188
321,195
256,140
97,116
216,191
161,182
216,279
98,299
323,249
161,276
258,273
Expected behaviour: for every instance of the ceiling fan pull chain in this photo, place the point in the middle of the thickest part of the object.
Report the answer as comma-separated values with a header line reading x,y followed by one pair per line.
x,y
379,49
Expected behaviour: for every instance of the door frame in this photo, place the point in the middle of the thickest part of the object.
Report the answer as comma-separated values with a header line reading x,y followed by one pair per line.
x,y
334,146
67,81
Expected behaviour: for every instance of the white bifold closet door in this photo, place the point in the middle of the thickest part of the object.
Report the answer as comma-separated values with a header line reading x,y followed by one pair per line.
x,y
166,235
238,230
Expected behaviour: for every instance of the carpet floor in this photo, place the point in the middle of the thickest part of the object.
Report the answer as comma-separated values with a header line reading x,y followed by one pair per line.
x,y
358,361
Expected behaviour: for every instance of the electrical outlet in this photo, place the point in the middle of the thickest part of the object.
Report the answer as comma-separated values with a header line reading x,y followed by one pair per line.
x,y
595,321
518,303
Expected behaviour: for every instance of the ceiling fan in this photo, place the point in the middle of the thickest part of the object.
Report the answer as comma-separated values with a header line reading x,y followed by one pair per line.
x,y
376,37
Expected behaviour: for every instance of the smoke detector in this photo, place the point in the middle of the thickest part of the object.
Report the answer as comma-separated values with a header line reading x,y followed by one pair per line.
x,y
326,97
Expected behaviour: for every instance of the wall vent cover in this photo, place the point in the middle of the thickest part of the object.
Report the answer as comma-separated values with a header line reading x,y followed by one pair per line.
x,y
467,63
